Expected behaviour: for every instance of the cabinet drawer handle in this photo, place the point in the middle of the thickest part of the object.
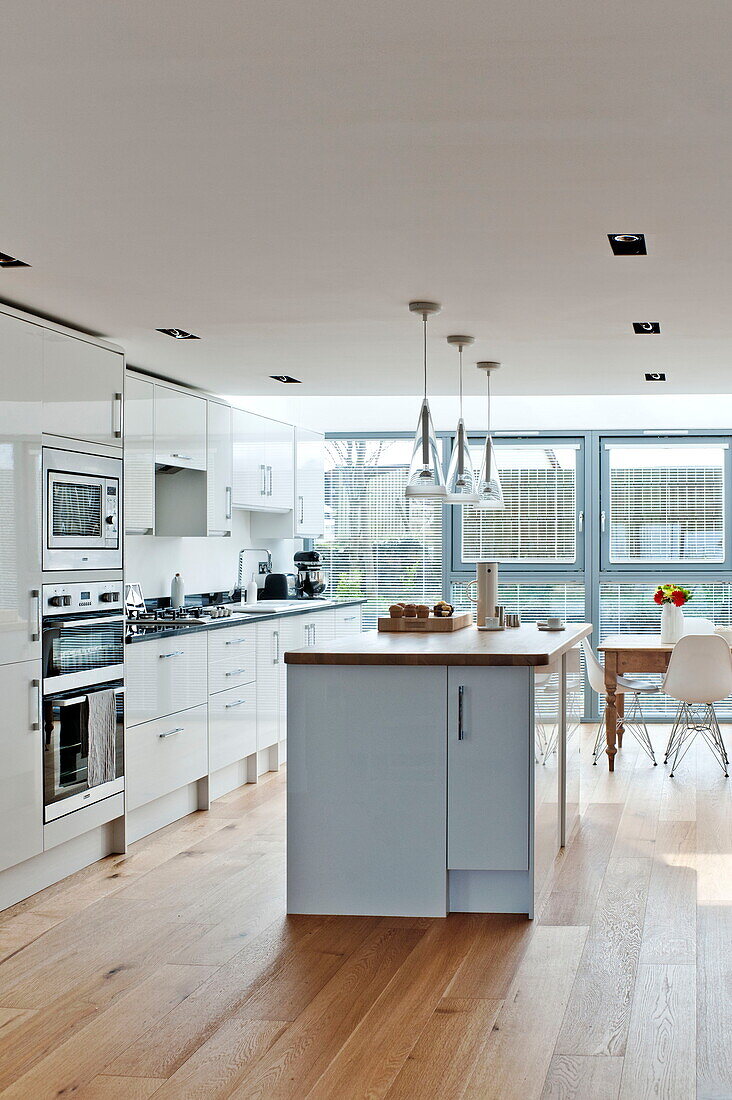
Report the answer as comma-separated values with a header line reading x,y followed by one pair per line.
x,y
276,638
176,653
238,703
170,733
185,458
228,502
117,416
237,641
235,672
461,730
349,618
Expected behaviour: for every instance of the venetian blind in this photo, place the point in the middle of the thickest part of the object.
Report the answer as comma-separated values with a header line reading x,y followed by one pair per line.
x,y
666,503
538,523
377,542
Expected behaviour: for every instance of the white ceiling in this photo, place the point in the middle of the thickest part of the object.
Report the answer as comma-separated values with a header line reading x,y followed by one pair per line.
x,y
281,177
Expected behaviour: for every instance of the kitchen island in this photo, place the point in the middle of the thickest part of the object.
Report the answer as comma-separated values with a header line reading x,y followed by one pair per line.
x,y
412,777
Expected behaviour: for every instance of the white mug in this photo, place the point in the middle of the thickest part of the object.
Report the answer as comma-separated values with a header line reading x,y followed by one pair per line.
x,y
554,621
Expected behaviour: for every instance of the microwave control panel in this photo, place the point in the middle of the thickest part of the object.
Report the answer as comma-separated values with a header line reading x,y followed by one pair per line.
x,y
111,512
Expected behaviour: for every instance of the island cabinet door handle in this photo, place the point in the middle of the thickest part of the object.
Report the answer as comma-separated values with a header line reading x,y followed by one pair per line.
x,y
461,728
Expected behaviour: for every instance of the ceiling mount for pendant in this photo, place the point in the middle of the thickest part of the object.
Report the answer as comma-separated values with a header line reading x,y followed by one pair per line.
x,y
461,482
425,478
490,493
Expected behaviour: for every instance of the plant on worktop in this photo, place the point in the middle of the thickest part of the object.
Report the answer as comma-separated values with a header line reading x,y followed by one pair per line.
x,y
671,598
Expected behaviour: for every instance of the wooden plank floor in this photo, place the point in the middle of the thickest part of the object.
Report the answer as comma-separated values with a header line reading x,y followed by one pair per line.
x,y
174,972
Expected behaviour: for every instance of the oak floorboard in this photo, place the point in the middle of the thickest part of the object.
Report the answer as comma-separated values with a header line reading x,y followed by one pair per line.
x,y
669,930
499,944
598,1013
88,1052
104,1087
582,1077
298,1058
577,882
660,1057
714,1002
372,1056
447,1050
214,1070
516,1058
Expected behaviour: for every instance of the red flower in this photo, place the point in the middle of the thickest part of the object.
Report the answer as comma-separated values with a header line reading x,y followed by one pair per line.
x,y
658,596
679,599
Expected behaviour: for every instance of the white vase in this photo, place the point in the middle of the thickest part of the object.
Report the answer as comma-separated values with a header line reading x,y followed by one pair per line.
x,y
672,624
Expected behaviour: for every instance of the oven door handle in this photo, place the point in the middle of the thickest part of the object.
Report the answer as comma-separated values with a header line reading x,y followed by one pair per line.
x,y
86,622
83,698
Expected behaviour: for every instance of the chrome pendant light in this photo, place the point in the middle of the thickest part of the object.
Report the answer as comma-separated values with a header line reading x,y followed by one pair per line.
x,y
425,478
490,493
461,481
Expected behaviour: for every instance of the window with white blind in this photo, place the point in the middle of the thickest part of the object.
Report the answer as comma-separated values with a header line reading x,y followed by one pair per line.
x,y
377,542
538,525
665,502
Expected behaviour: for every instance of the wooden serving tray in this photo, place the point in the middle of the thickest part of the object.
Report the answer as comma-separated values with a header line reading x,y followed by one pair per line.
x,y
458,621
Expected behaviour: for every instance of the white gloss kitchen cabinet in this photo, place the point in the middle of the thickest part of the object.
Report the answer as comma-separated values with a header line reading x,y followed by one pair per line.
x,y
82,389
309,483
139,456
21,357
232,701
264,463
219,468
164,676
180,429
21,779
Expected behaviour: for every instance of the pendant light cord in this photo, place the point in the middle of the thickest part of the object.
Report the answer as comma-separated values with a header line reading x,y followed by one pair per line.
x,y
424,350
460,350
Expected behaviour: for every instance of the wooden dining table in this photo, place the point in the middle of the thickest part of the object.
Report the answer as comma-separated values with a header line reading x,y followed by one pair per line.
x,y
627,653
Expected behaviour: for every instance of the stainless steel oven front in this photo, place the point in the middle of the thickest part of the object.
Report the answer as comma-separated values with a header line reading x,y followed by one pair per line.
x,y
82,510
82,637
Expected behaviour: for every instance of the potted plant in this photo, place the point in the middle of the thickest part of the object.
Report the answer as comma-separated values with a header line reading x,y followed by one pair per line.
x,y
671,598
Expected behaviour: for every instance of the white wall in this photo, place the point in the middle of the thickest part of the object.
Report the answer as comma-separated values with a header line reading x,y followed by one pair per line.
x,y
372,414
205,564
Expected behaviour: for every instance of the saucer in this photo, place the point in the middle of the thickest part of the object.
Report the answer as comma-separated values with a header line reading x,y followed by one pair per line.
x,y
545,626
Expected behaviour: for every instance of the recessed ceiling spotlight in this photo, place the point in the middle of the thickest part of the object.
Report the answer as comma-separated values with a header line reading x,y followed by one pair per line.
x,y
660,377
627,244
285,378
10,261
649,328
178,333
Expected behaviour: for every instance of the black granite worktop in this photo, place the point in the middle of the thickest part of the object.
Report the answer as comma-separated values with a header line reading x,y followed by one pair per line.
x,y
240,618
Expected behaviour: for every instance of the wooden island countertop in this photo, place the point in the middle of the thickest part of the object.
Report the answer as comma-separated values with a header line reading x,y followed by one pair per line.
x,y
521,646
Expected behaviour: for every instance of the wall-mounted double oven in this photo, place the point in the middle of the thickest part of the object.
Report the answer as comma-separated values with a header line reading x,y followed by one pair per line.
x,y
82,626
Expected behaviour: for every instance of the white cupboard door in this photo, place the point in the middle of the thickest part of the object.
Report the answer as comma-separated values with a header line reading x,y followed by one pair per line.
x,y
269,665
232,726
309,483
489,753
164,675
166,754
139,457
251,477
21,781
347,620
180,429
82,389
219,469
21,349
280,466
292,636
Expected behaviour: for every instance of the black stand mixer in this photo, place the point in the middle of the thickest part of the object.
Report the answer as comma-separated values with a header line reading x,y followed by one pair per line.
x,y
311,579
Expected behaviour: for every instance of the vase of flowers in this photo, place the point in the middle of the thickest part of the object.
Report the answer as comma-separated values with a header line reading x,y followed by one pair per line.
x,y
671,598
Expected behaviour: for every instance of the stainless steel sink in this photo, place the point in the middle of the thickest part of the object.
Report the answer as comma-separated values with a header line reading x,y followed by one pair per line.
x,y
266,607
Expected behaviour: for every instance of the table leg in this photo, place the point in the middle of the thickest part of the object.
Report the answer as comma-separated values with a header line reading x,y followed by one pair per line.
x,y
620,711
611,713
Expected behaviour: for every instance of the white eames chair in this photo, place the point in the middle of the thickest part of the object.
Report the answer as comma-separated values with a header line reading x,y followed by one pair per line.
x,y
699,675
624,685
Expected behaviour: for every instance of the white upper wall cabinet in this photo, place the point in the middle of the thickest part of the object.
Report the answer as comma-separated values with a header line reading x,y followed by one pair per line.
x,y
82,389
21,356
309,483
219,469
139,456
264,463
180,429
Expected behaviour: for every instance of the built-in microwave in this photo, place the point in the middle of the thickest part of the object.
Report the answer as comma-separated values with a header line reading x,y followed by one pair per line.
x,y
82,510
